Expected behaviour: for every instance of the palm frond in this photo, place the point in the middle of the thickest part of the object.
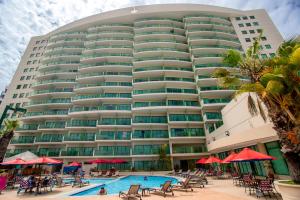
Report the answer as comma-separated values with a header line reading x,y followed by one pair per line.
x,y
232,58
251,106
220,73
261,110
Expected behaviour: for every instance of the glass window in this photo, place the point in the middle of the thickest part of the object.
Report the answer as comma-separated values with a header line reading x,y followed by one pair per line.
x,y
268,46
34,48
28,77
237,18
28,62
252,17
25,70
263,38
264,56
248,24
259,30
31,55
255,23
245,17
241,25
244,32
21,95
272,55
18,86
247,39
15,96
279,165
251,31
37,42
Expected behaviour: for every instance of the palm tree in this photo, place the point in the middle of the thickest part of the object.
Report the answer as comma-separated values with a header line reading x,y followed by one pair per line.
x,y
6,135
163,151
276,83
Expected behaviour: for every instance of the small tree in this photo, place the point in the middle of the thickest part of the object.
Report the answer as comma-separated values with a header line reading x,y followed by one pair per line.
x,y
6,134
164,157
276,83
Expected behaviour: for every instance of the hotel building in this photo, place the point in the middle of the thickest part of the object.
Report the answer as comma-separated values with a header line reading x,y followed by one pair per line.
x,y
131,83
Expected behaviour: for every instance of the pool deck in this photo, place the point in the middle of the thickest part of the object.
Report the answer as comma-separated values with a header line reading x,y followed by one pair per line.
x,y
216,189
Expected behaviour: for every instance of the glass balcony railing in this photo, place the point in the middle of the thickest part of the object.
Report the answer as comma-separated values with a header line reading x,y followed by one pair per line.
x,y
52,125
171,25
189,149
113,151
61,49
28,127
211,29
113,135
211,65
66,40
98,64
161,49
52,101
115,121
49,138
149,149
196,37
185,117
79,137
54,81
208,55
118,38
157,19
82,123
62,63
105,74
49,112
11,153
109,31
150,119
50,152
162,58
169,103
103,107
208,88
153,68
91,47
206,15
125,84
160,40
58,71
112,25
67,54
22,140
148,134
67,34
212,115
150,79
52,91
187,132
106,55
160,32
78,151
182,103
104,95
149,104
165,90
208,22
212,101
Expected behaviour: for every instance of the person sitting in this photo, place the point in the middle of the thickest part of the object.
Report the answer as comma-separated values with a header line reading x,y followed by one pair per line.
x,y
102,191
31,183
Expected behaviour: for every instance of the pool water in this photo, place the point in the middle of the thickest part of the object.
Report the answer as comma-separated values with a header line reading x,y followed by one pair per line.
x,y
123,184
91,181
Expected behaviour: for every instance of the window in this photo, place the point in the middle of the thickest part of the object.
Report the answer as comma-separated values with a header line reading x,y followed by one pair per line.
x,y
37,42
248,24
244,32
238,18
43,41
28,77
21,95
251,17
28,62
241,25
37,68
264,56
25,86
34,48
255,23
268,46
259,30
22,78
24,104
31,69
25,70
247,39
40,48
30,85
251,31
260,47
33,77
18,86
245,17
18,105
33,62
15,96
272,55
27,94
37,55
263,38
31,55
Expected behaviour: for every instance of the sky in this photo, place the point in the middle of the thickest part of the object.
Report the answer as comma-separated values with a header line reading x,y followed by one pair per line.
x,y
22,19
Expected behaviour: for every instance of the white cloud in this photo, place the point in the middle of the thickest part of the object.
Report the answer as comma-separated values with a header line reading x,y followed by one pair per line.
x,y
20,20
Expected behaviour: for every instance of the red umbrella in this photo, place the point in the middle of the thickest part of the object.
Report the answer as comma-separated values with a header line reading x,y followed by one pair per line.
x,y
201,161
43,160
117,161
98,161
73,164
229,158
17,161
250,155
212,159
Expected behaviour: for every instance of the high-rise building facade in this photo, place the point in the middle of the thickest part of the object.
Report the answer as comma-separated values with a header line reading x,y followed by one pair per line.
x,y
133,82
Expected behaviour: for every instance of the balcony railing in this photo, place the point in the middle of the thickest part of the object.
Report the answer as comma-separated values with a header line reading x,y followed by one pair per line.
x,y
165,90
49,138
148,134
150,79
80,137
113,151
185,117
150,119
111,135
22,140
28,127
187,132
115,121
189,149
52,125
82,123
104,74
125,84
103,107
50,112
212,101
149,149
153,68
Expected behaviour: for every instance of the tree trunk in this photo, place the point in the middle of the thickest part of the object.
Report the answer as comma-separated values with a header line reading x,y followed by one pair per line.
x,y
4,141
293,161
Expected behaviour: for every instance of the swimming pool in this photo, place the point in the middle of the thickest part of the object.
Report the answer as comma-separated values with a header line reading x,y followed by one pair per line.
x,y
91,180
123,184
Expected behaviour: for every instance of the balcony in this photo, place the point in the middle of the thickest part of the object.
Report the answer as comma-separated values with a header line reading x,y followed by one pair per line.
x,y
162,58
79,137
190,149
23,140
209,102
82,123
185,118
27,128
154,149
103,95
209,88
87,75
150,134
10,153
113,151
50,152
104,107
150,120
52,92
52,113
161,40
103,84
105,64
78,151
57,82
49,138
113,136
187,132
164,68
153,79
212,116
165,90
63,102
114,122
52,125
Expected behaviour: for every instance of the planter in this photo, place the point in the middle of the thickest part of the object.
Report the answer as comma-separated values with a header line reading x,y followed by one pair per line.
x,y
288,191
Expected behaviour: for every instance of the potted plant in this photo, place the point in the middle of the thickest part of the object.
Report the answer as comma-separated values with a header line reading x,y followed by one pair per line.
x,y
276,83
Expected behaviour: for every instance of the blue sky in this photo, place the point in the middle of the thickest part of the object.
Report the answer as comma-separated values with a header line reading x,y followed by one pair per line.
x,y
22,19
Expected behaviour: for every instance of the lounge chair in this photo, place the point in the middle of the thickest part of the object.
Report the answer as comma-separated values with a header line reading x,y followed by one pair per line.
x,y
132,192
184,185
265,188
94,174
186,174
179,172
108,173
172,172
165,188
200,177
78,181
117,173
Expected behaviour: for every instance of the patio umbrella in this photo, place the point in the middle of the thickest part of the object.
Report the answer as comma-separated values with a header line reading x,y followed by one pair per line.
x,y
212,159
43,160
17,161
250,155
73,164
117,161
229,158
201,161
98,161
